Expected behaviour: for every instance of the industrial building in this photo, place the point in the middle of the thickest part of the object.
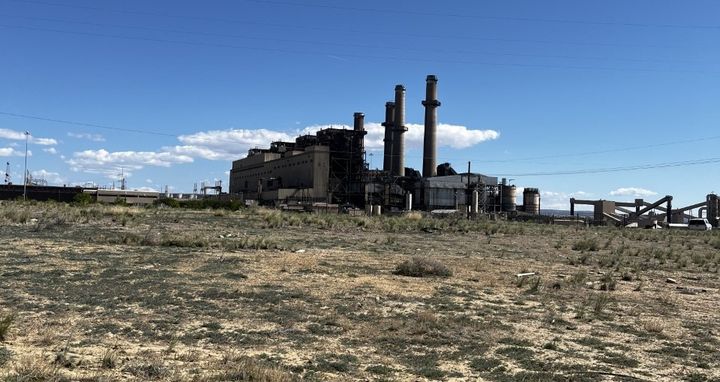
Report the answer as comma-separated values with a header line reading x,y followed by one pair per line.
x,y
645,214
329,167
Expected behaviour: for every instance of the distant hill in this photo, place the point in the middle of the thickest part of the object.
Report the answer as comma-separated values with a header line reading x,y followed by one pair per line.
x,y
550,212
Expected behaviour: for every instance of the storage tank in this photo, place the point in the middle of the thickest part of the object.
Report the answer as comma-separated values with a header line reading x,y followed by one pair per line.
x,y
531,201
507,198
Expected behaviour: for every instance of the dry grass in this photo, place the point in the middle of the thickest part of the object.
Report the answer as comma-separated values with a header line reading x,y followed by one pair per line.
x,y
113,293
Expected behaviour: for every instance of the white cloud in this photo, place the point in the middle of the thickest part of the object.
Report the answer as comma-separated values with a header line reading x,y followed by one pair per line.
x,y
632,191
112,163
561,200
50,150
11,152
145,189
50,177
88,136
454,136
148,180
234,144
20,135
226,144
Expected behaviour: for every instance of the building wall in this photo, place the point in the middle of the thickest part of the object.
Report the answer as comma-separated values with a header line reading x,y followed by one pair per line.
x,y
296,174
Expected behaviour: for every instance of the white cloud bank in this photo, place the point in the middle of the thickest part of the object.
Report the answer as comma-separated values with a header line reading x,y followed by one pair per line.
x,y
448,135
12,152
632,191
20,136
112,163
233,144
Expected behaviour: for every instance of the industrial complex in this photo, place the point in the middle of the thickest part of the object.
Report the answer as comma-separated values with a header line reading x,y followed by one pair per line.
x,y
329,167
328,171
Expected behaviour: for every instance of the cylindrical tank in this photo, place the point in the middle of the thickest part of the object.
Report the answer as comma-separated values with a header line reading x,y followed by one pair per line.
x,y
475,202
531,201
408,202
377,210
507,198
368,209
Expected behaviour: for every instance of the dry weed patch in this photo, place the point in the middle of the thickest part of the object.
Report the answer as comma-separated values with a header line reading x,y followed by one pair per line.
x,y
102,293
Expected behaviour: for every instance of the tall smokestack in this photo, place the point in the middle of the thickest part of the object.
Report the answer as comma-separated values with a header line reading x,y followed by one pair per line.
x,y
398,152
389,118
359,121
431,104
359,126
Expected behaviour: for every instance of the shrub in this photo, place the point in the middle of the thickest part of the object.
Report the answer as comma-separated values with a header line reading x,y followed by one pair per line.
x,y
83,199
422,267
587,244
5,324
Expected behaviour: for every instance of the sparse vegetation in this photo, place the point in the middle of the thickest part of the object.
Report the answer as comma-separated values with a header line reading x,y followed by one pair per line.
x,y
5,322
422,267
115,292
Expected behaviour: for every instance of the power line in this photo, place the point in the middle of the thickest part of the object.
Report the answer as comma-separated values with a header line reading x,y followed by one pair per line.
x,y
26,116
691,162
359,56
336,30
475,16
345,44
403,12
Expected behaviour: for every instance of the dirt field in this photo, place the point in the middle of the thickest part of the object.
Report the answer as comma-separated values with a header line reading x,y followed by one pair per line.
x,y
105,293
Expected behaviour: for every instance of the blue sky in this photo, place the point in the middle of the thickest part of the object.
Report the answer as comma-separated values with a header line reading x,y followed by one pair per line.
x,y
169,92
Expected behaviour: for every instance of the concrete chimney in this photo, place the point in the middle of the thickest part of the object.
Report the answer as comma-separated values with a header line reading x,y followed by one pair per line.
x,y
431,104
399,129
388,124
359,121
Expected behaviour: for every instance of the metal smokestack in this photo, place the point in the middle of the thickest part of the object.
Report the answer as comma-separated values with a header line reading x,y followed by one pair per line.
x,y
398,152
388,124
430,142
359,121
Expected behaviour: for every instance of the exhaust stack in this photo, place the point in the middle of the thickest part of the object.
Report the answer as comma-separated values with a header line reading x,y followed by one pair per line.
x,y
431,104
359,121
388,124
398,144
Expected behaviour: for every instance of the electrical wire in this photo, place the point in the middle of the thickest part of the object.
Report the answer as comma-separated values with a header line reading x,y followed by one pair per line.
x,y
340,30
482,17
691,162
345,44
361,56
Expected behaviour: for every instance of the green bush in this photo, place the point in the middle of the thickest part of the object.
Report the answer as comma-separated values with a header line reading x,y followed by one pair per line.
x,y
83,199
422,267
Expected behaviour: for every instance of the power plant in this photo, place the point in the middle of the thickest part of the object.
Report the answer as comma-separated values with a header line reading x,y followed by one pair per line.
x,y
329,168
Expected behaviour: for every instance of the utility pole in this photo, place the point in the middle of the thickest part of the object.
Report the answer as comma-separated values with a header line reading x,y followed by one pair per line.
x,y
27,134
467,193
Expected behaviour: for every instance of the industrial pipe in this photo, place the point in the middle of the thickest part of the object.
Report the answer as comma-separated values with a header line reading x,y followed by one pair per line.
x,y
431,104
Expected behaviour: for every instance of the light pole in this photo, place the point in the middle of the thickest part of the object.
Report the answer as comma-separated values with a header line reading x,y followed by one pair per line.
x,y
27,134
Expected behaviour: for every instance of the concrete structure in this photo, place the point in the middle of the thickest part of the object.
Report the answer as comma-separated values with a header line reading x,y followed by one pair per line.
x,y
41,193
330,168
399,129
531,201
451,191
326,167
431,104
645,214
130,197
388,124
